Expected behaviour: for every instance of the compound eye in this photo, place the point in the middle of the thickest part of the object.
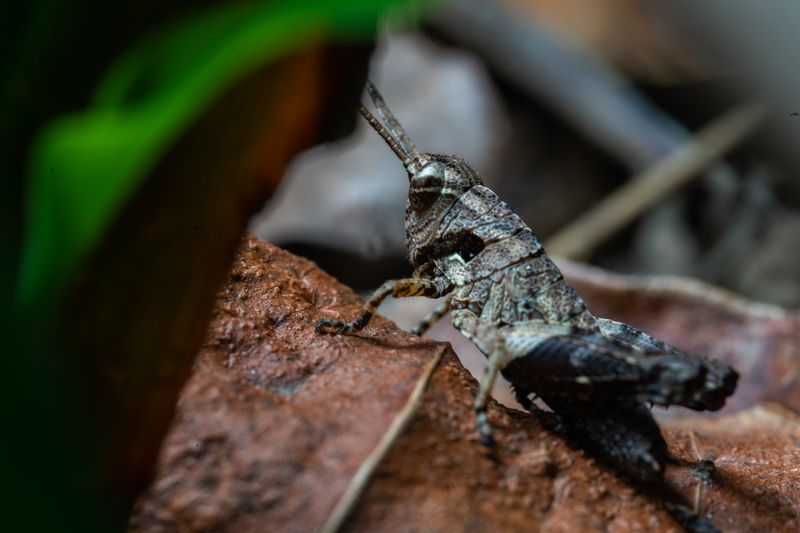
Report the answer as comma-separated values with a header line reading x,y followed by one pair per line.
x,y
425,189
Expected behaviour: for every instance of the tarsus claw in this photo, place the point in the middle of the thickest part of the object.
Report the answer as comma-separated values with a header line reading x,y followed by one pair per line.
x,y
484,428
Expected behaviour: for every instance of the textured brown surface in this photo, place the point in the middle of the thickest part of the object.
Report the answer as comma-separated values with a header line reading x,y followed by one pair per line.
x,y
275,420
757,456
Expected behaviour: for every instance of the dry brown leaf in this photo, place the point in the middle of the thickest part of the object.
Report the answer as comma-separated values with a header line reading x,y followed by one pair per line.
x,y
276,419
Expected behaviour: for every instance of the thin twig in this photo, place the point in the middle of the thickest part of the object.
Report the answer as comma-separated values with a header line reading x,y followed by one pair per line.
x,y
350,498
577,240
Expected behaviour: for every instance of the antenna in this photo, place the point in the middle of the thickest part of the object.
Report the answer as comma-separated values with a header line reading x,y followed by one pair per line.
x,y
391,122
391,141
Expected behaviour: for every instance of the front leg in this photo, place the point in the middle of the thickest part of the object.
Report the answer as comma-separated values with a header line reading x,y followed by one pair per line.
x,y
400,288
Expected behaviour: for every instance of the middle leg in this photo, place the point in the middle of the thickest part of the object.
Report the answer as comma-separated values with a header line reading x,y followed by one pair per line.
x,y
482,398
425,324
490,341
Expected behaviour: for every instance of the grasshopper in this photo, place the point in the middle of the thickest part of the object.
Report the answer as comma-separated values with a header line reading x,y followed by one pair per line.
x,y
508,298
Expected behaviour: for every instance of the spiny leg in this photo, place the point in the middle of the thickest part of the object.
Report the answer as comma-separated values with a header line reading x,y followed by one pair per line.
x,y
398,288
425,324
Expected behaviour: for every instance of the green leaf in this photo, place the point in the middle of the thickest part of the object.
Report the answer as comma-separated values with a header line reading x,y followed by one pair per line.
x,y
84,166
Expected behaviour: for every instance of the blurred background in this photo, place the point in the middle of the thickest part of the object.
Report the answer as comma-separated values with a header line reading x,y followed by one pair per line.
x,y
560,105
139,142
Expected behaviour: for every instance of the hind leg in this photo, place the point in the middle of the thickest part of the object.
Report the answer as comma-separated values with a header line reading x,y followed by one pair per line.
x,y
620,432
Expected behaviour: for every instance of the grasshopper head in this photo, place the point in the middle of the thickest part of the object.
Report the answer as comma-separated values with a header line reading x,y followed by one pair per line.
x,y
435,181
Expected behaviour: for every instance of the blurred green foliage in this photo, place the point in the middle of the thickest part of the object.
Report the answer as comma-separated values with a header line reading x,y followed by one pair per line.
x,y
85,165
87,152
